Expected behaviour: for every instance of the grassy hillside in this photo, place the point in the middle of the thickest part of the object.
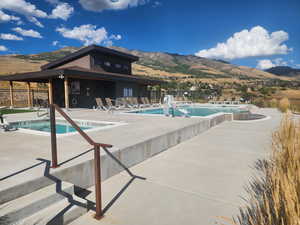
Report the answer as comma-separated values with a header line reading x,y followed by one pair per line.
x,y
155,64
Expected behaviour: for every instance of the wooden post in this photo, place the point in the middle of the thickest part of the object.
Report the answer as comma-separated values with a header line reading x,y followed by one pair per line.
x,y
29,95
11,91
50,90
66,83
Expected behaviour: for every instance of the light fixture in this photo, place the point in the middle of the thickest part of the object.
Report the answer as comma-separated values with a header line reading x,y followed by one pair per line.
x,y
61,76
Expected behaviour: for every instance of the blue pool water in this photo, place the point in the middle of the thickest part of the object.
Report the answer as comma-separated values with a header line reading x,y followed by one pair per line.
x,y
193,110
44,126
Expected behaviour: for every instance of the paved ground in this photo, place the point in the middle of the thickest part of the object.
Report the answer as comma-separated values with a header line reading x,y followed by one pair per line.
x,y
199,181
20,151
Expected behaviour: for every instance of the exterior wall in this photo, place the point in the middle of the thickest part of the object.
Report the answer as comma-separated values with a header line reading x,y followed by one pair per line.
x,y
120,89
98,62
139,90
89,91
84,62
58,92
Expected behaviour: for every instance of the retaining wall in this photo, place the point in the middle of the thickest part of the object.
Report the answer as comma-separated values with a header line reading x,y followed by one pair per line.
x,y
82,174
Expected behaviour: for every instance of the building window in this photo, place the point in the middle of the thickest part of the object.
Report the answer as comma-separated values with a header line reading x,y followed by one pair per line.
x,y
127,92
97,62
107,64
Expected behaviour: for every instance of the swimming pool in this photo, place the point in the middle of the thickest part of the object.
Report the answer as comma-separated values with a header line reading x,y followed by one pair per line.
x,y
194,110
42,126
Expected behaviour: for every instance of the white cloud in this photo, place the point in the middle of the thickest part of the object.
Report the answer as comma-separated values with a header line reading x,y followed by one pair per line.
x,y
5,17
249,43
62,11
22,7
109,41
3,48
35,21
280,62
267,63
10,37
27,33
100,5
54,43
53,2
156,4
31,12
88,34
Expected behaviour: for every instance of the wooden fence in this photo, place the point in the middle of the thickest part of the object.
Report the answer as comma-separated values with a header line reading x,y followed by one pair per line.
x,y
39,97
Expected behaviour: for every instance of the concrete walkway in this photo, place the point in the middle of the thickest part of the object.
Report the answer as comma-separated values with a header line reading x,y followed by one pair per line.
x,y
200,181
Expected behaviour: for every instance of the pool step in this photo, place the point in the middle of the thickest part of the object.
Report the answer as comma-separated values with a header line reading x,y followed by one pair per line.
x,y
27,205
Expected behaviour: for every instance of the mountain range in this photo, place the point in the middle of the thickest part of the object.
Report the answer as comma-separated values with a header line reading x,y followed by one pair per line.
x,y
155,64
285,71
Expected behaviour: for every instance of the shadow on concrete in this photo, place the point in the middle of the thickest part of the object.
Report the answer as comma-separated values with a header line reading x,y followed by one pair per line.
x,y
133,177
81,192
21,171
40,163
58,219
75,157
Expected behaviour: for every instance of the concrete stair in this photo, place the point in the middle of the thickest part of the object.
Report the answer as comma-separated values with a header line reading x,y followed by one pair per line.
x,y
43,206
60,213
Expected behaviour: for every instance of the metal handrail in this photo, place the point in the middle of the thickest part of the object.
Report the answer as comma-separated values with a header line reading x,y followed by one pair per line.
x,y
79,130
97,146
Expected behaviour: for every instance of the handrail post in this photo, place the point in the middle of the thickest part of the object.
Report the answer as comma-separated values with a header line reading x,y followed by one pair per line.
x,y
97,166
53,136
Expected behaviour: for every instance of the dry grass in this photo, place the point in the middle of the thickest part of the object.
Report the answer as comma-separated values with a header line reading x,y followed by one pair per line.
x,y
295,105
11,65
275,196
273,103
284,105
291,94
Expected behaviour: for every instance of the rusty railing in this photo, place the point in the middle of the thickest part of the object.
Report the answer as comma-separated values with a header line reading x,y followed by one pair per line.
x,y
97,147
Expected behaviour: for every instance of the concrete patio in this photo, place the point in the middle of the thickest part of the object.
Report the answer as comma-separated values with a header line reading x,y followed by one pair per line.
x,y
200,181
197,178
21,153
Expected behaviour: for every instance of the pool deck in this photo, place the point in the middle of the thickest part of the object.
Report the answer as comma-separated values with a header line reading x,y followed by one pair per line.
x,y
200,181
207,172
20,150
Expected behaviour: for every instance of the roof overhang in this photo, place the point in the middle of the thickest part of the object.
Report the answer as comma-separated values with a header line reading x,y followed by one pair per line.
x,y
45,75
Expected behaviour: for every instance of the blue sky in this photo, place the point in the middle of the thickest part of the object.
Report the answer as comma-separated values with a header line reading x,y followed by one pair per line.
x,y
256,33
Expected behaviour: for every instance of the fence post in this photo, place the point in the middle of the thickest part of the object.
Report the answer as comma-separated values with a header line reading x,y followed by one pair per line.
x,y
97,166
53,137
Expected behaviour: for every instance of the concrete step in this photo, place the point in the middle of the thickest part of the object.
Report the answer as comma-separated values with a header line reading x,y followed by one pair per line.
x,y
60,213
27,205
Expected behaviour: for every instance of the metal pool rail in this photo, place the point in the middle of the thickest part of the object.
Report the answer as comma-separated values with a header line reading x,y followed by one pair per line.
x,y
97,147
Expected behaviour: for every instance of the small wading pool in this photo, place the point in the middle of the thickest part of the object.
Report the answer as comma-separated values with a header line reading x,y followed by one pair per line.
x,y
194,110
62,127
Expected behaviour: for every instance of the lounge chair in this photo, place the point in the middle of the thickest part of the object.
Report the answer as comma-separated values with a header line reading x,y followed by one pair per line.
x,y
100,104
136,102
132,102
4,125
149,103
110,104
120,103
145,102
